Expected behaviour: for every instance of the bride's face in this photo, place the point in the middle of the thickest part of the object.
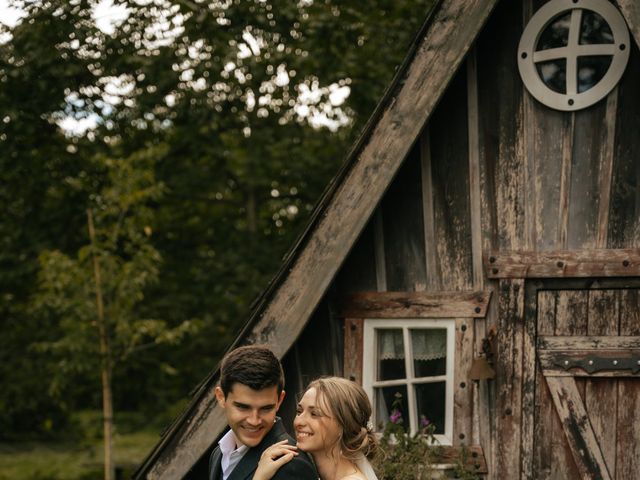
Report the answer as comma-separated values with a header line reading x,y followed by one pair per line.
x,y
316,429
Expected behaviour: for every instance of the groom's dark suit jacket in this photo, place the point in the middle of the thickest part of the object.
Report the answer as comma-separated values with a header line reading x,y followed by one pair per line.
x,y
300,468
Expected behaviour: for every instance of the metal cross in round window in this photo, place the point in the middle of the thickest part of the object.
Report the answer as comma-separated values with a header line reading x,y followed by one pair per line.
x,y
573,52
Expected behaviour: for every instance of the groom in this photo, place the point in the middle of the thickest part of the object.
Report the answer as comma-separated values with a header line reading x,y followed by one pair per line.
x,y
250,392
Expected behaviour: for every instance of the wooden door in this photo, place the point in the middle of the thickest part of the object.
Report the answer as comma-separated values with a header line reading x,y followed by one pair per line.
x,y
586,409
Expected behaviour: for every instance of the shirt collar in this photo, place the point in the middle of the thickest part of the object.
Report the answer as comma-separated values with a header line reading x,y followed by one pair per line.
x,y
228,444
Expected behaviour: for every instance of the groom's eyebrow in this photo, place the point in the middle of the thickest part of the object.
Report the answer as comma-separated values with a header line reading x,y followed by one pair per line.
x,y
249,407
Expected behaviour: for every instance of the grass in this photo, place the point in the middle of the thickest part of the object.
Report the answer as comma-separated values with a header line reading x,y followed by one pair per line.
x,y
77,461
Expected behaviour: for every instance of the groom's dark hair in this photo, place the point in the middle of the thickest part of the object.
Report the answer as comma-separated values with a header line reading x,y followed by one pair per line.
x,y
254,366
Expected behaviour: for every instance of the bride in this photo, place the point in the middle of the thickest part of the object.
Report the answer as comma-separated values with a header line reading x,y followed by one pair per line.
x,y
331,425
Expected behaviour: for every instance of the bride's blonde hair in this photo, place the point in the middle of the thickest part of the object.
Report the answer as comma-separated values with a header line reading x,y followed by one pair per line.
x,y
348,403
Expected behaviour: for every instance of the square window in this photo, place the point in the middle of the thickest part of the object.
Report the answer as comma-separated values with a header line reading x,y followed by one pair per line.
x,y
412,360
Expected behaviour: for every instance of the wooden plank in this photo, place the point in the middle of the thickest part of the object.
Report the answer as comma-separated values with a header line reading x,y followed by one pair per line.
x,y
353,349
624,212
358,273
449,456
563,264
463,392
565,182
416,305
404,248
571,319
588,342
628,426
450,171
577,429
381,270
586,154
431,253
545,415
500,92
475,199
605,175
508,366
529,379
631,11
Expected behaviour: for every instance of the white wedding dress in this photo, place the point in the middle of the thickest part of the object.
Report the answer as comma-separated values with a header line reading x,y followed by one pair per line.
x,y
366,468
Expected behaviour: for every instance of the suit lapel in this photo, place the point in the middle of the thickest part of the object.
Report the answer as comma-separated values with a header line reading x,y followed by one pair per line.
x,y
215,465
249,462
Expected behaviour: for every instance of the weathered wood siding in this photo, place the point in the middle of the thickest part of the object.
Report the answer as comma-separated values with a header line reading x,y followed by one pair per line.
x,y
494,170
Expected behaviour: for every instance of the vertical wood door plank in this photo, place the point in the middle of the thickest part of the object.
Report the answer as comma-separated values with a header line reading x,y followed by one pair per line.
x,y
528,379
571,319
509,378
628,428
577,429
545,413
601,395
463,392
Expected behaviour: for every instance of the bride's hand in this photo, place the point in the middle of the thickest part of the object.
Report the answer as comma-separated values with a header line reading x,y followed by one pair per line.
x,y
273,458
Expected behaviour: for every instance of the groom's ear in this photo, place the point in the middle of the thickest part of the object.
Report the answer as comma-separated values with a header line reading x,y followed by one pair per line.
x,y
282,395
220,396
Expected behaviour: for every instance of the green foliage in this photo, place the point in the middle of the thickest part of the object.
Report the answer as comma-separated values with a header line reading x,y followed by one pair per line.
x,y
220,158
403,455
128,263
414,456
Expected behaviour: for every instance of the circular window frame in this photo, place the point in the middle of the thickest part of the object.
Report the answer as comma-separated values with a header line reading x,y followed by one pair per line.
x,y
572,101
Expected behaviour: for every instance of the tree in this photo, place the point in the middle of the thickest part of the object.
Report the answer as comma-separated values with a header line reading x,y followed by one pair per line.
x,y
243,102
95,295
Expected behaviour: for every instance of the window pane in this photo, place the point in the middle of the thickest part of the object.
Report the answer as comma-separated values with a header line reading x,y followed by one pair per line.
x,y
430,399
391,404
556,35
554,74
390,354
594,29
429,352
591,70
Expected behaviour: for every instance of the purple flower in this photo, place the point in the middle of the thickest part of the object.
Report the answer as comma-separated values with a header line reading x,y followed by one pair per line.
x,y
424,421
396,416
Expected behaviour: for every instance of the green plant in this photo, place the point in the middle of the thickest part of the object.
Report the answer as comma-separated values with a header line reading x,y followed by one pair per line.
x,y
412,457
403,455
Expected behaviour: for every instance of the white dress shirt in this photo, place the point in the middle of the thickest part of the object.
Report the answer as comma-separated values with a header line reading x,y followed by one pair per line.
x,y
232,452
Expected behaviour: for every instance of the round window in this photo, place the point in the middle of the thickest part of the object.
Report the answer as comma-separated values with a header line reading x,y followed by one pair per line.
x,y
573,52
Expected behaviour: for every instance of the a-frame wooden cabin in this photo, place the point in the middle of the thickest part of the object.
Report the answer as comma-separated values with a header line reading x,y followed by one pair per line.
x,y
474,221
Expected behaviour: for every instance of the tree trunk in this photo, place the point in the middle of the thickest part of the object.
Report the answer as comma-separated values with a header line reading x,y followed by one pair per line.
x,y
105,355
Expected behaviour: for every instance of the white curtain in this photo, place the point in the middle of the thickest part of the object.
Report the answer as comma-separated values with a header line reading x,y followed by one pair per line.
x,y
428,344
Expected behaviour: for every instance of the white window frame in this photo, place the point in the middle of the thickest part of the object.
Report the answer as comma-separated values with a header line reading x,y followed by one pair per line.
x,y
369,373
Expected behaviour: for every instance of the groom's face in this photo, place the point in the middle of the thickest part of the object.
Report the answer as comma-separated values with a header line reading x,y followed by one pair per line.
x,y
250,413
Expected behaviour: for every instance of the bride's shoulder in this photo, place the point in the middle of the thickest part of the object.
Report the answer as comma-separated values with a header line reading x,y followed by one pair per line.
x,y
355,476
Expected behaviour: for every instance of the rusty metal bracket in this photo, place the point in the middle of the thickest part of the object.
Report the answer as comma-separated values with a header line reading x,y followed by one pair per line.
x,y
597,363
